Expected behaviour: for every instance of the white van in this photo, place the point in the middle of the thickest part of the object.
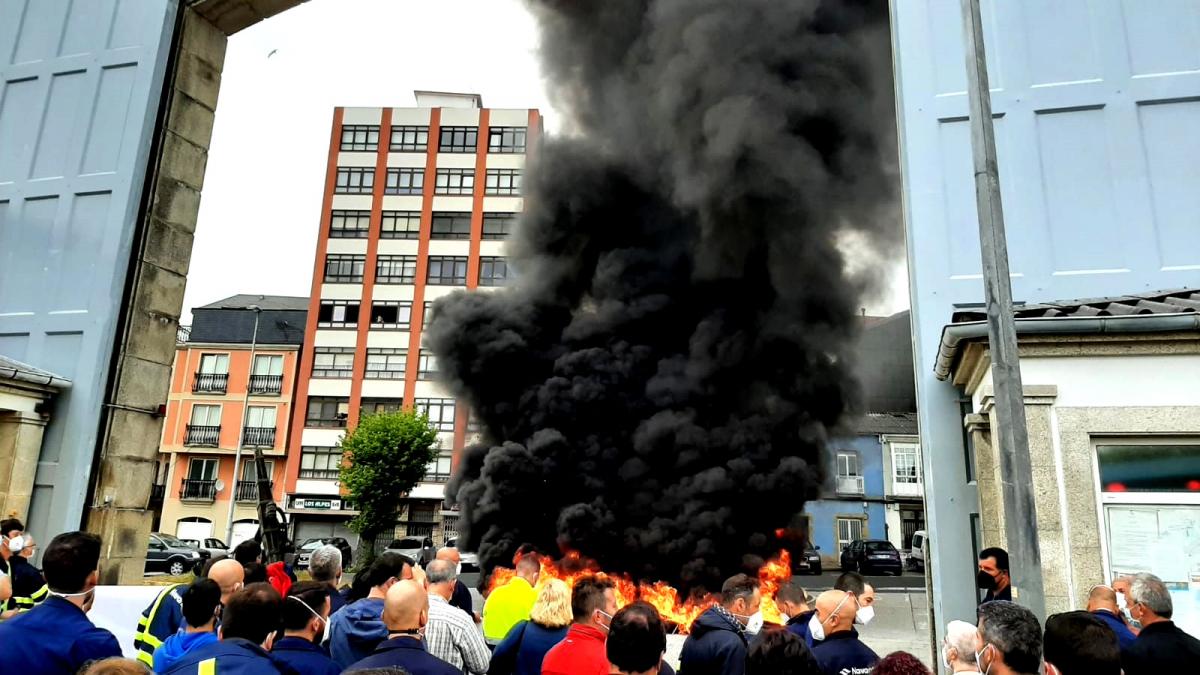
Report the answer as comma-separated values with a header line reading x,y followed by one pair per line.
x,y
920,548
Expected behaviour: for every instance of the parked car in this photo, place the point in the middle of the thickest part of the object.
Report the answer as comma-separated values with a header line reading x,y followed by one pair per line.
x,y
920,544
808,561
215,547
419,549
165,553
305,550
470,561
872,556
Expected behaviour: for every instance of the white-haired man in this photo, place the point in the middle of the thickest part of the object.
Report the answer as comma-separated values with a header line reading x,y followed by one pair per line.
x,y
958,649
325,565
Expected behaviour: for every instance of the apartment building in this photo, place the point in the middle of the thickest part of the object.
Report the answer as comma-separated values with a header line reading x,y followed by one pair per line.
x,y
232,387
417,204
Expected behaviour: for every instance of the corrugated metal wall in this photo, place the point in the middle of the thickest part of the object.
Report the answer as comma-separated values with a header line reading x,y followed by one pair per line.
x,y
80,85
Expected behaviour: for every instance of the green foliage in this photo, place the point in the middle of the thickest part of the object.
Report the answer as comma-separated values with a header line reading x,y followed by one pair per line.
x,y
386,456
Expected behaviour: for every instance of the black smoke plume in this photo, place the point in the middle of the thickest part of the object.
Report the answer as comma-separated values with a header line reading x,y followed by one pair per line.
x,y
657,386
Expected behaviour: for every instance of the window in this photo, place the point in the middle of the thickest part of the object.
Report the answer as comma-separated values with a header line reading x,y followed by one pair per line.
x,y
455,182
202,469
206,415
386,363
503,182
506,139
375,406
360,138
848,530
439,410
344,268
849,480
493,271
214,364
333,362
404,181
446,270
266,377
426,366
474,424
438,471
451,226
204,428
1160,468
250,470
409,139
355,180
905,461
260,427
268,364
395,269
391,315
337,314
261,416
965,407
498,225
349,224
321,462
401,225
427,313
327,411
458,139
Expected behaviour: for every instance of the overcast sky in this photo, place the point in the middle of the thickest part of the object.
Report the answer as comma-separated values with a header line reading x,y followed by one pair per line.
x,y
261,203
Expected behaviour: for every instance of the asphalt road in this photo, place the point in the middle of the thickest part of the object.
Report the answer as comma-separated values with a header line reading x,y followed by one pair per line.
x,y
913,582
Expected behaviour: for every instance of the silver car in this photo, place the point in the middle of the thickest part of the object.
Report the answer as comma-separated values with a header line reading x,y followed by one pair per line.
x,y
470,561
419,549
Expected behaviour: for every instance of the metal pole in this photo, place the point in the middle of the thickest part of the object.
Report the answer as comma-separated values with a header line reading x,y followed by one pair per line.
x,y
1011,436
237,453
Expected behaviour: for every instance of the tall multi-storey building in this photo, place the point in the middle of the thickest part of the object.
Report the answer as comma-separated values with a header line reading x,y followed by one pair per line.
x,y
222,398
418,203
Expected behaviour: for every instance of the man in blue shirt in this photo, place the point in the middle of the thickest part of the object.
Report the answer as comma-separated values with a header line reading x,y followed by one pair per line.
x,y
56,636
405,612
836,644
248,625
1102,602
305,616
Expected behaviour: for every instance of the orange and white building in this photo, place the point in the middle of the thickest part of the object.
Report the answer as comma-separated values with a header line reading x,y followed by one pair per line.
x,y
417,204
223,398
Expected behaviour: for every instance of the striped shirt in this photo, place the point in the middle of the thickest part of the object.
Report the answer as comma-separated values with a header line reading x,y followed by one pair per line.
x,y
452,636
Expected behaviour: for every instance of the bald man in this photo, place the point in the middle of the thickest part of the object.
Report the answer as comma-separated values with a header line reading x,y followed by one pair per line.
x,y
229,575
405,613
1102,602
835,642
461,598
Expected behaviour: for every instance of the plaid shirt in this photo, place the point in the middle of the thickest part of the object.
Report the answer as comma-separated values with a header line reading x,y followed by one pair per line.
x,y
453,637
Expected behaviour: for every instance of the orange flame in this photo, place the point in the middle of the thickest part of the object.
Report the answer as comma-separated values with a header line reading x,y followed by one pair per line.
x,y
664,598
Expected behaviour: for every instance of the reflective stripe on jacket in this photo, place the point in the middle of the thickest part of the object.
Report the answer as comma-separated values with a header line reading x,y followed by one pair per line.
x,y
159,621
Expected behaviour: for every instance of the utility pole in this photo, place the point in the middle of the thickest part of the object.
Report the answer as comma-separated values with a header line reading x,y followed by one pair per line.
x,y
237,453
1011,437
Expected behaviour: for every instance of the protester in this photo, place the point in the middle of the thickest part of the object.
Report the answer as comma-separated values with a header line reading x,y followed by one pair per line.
x,y
717,643
28,585
523,649
325,565
249,622
451,634
56,636
356,629
1102,602
1008,640
462,595
835,642
637,642
511,602
305,615
9,528
781,652
406,611
993,574
116,665
793,603
900,663
1080,643
256,573
201,602
864,595
593,604
1121,585
1161,647
958,649
247,552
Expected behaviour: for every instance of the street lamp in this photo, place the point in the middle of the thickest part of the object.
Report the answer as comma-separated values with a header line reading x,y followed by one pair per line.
x,y
237,454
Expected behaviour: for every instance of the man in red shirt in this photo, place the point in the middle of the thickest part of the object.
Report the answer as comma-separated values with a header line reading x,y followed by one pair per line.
x,y
593,604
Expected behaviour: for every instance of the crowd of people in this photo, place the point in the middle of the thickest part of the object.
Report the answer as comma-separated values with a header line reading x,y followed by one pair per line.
x,y
243,618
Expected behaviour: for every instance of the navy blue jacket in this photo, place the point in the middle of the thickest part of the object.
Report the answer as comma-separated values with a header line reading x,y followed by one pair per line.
x,y
522,650
1125,637
461,598
336,601
407,653
1161,648
233,656
161,619
55,637
844,654
714,647
304,657
799,626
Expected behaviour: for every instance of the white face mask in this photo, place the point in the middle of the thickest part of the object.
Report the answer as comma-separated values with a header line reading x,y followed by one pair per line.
x,y
864,615
754,622
320,638
608,616
1121,602
946,659
979,664
816,627
785,617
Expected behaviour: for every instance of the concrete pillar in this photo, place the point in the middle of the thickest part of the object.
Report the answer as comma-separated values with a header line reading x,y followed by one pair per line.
x,y
20,447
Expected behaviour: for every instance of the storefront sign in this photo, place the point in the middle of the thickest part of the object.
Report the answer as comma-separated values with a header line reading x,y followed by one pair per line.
x,y
317,504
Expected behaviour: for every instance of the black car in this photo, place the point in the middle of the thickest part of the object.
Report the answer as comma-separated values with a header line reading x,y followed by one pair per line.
x,y
871,556
165,553
305,550
807,562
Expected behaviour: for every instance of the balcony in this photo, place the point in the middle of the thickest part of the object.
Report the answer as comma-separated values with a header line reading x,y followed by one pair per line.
x,y
901,489
247,490
320,474
210,383
266,385
433,477
258,437
849,485
203,436
196,490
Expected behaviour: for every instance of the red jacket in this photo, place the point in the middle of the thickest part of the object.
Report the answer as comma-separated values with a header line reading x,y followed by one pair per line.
x,y
580,653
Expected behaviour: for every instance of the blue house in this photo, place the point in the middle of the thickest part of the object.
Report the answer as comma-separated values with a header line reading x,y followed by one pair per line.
x,y
854,507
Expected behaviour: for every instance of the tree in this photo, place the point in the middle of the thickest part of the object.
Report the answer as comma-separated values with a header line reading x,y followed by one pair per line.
x,y
386,456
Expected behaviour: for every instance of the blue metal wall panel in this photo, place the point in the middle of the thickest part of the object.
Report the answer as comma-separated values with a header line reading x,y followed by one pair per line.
x,y
80,86
1096,111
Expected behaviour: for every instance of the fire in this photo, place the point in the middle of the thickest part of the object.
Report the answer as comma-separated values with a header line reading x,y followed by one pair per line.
x,y
665,598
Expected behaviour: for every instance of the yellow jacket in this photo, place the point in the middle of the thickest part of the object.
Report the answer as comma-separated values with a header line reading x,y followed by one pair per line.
x,y
505,607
